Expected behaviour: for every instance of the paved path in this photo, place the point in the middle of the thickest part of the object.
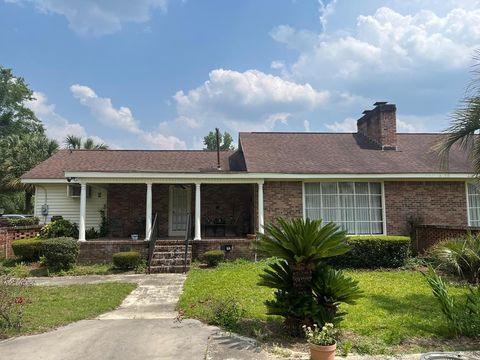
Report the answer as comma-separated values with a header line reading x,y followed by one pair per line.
x,y
143,327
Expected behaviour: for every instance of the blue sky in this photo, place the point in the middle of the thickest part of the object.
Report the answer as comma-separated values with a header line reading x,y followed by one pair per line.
x,y
160,74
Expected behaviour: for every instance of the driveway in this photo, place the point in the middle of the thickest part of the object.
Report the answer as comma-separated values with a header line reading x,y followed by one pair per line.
x,y
143,327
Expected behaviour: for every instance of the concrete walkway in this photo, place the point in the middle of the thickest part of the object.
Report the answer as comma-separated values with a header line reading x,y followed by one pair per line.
x,y
143,327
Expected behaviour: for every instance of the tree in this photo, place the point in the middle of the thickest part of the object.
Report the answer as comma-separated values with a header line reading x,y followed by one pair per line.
x,y
210,141
75,142
308,291
20,154
465,123
15,117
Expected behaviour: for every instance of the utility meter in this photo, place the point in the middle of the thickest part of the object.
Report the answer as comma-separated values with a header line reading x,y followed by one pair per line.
x,y
44,209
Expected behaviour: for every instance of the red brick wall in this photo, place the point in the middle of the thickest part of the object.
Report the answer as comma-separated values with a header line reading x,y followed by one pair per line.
x,y
282,199
380,126
428,235
9,235
101,251
429,202
241,248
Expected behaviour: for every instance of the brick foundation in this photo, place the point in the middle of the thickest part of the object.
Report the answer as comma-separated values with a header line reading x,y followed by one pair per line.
x,y
101,251
427,202
10,234
241,248
282,199
428,235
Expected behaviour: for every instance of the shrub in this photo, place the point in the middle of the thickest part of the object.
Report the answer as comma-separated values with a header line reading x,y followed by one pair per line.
x,y
213,257
372,252
24,221
59,228
126,260
28,250
460,256
464,319
307,291
225,312
60,253
91,234
12,300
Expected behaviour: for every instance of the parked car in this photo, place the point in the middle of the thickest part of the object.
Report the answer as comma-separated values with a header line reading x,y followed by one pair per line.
x,y
16,216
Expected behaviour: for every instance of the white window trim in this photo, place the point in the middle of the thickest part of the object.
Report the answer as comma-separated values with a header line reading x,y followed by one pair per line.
x,y
382,187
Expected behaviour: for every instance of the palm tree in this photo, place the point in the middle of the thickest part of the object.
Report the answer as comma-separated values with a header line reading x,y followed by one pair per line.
x,y
465,123
75,142
307,289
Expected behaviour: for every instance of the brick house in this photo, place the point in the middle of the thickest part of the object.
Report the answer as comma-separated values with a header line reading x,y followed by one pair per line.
x,y
373,181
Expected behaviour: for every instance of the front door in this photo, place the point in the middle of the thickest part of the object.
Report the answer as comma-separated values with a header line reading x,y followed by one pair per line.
x,y
179,208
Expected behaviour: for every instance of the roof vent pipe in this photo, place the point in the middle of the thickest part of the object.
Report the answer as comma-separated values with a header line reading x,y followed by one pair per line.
x,y
217,133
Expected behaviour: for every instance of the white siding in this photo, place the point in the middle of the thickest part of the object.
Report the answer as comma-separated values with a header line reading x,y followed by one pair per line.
x,y
60,203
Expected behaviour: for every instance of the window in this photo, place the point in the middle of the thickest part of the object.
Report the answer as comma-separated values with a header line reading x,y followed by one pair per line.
x,y
74,190
473,195
355,206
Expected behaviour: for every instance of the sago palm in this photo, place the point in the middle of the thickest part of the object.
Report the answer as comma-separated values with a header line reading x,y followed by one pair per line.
x,y
302,244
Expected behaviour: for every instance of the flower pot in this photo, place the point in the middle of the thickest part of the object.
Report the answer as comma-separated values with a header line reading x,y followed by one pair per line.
x,y
318,352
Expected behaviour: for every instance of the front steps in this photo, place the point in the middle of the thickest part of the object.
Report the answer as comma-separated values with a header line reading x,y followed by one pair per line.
x,y
169,257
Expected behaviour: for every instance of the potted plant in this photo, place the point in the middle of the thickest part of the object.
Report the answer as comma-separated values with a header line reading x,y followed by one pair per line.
x,y
322,341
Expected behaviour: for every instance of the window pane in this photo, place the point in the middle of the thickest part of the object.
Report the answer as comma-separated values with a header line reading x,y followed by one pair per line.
x,y
362,201
330,215
329,188
312,188
363,228
347,214
376,228
350,227
362,215
347,201
376,214
376,200
361,188
313,214
329,201
345,187
375,188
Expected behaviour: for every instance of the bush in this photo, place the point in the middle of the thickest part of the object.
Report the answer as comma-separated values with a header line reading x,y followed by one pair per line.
x,y
213,257
460,257
372,252
28,250
463,318
60,253
92,234
59,228
126,260
225,313
24,221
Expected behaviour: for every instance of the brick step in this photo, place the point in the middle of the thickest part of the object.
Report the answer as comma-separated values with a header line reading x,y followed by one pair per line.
x,y
168,269
170,262
171,255
171,247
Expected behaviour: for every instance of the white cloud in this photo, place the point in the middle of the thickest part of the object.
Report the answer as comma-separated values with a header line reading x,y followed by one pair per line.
x,y
386,42
246,100
306,125
99,17
122,118
56,126
103,110
348,125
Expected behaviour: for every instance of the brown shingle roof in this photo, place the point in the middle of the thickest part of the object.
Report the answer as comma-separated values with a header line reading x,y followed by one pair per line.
x,y
344,153
133,161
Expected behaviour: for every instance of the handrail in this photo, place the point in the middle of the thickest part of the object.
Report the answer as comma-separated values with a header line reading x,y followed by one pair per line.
x,y
187,236
152,239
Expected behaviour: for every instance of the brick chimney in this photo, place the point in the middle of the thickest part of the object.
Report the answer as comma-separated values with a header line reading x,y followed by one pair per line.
x,y
380,125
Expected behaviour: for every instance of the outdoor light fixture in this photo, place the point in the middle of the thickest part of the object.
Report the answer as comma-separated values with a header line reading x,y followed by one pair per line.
x,y
228,248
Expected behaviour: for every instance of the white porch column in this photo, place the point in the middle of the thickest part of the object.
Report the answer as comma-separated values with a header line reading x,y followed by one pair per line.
x,y
198,233
83,211
260,207
148,214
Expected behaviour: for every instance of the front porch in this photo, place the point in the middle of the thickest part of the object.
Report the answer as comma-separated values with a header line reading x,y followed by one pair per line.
x,y
215,210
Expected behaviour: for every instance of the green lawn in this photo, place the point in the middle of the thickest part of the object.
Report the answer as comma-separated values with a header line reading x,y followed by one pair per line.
x,y
397,313
47,307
